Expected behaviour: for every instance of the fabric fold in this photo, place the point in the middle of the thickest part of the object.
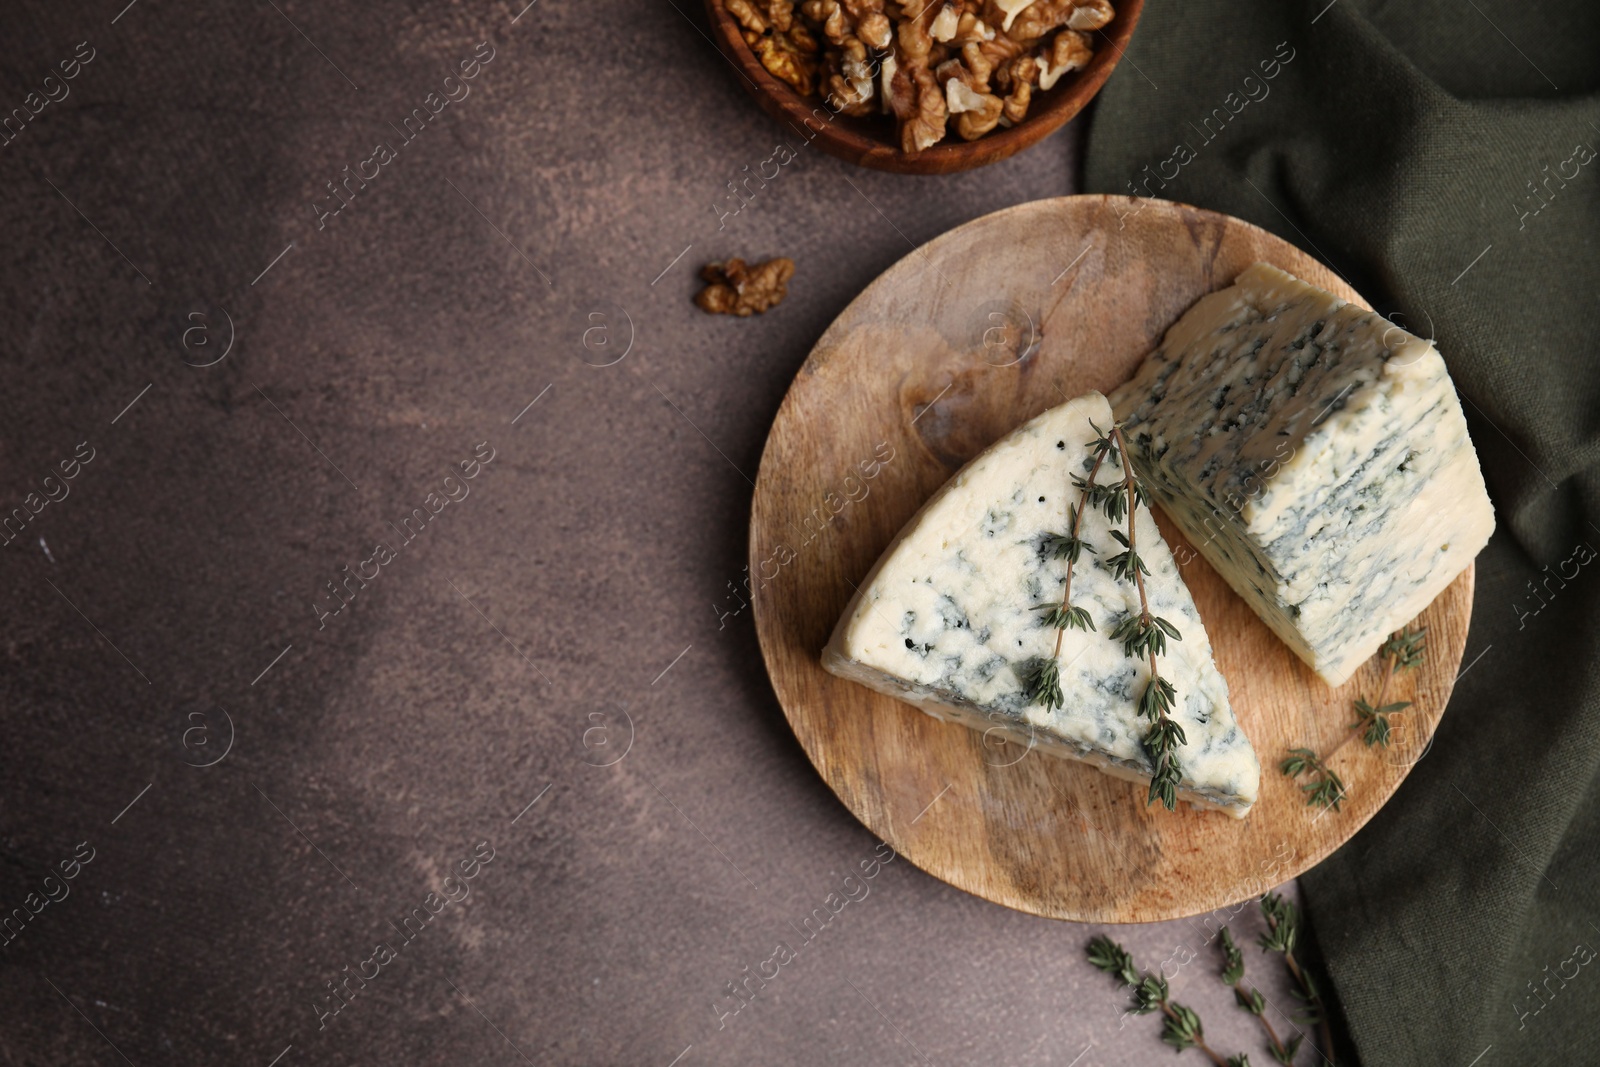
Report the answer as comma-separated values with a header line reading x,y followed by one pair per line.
x,y
1442,157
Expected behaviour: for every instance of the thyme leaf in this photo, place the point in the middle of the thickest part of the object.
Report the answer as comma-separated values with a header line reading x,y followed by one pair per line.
x,y
1323,787
1144,637
1041,679
1180,1025
1251,1000
1283,935
1404,650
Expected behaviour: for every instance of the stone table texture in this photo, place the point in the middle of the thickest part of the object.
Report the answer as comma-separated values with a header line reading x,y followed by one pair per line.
x,y
255,378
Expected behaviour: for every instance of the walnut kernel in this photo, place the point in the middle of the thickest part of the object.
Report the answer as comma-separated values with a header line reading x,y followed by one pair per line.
x,y
932,65
734,288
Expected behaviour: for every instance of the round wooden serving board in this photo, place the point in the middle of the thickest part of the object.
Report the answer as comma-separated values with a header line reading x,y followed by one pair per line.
x,y
953,347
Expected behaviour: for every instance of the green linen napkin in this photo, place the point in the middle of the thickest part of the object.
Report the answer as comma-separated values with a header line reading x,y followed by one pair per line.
x,y
1442,156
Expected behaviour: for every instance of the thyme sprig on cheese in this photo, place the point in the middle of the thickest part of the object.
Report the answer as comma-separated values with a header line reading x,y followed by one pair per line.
x,y
1144,636
1042,685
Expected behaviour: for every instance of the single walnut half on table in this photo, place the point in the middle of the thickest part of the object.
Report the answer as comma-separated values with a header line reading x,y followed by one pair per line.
x,y
736,289
973,65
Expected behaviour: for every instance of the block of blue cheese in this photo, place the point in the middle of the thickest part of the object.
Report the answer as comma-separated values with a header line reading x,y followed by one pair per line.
x,y
951,617
1316,455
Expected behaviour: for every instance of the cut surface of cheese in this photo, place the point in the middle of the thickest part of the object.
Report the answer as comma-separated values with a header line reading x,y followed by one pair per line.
x,y
1316,455
953,615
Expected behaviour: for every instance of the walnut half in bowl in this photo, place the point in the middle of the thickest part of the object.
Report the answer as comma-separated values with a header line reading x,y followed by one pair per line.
x,y
923,87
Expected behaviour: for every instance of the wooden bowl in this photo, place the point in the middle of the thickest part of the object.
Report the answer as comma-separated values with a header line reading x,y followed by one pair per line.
x,y
871,142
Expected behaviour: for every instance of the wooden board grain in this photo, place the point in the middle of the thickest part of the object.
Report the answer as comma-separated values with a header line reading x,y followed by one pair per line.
x,y
948,350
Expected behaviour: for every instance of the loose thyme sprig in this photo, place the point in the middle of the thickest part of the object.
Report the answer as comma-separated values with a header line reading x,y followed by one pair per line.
x,y
1180,1026
1252,1001
1403,651
1283,935
1323,786
1143,636
1042,682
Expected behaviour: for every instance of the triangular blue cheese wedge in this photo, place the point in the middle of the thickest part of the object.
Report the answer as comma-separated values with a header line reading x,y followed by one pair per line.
x,y
1316,455
950,618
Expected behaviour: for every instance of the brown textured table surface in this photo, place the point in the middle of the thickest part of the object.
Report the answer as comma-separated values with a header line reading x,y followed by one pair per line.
x,y
254,390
